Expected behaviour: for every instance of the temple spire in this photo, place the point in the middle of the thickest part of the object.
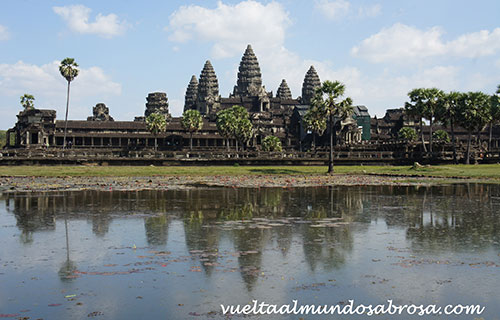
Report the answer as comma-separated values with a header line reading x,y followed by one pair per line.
x,y
311,83
191,94
208,89
249,75
284,92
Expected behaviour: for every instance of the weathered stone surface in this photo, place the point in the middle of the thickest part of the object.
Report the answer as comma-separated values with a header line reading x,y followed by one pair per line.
x,y
249,76
311,83
157,102
208,89
100,113
284,91
191,94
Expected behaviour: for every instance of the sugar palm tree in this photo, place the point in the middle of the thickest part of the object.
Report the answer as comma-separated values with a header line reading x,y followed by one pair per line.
x,y
156,123
494,113
27,101
473,115
447,115
192,122
69,70
328,98
316,122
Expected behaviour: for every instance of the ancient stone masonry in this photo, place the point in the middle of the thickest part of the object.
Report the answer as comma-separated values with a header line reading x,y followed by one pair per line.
x,y
157,102
208,99
249,82
284,92
311,83
191,94
100,113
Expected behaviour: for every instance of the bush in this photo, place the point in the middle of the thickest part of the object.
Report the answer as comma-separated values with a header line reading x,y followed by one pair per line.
x,y
441,136
271,143
408,134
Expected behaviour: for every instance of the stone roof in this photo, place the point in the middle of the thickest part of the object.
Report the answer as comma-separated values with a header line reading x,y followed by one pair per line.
x,y
208,85
191,94
310,84
284,91
249,75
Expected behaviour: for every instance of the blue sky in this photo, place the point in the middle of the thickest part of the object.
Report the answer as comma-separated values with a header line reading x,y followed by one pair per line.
x,y
126,49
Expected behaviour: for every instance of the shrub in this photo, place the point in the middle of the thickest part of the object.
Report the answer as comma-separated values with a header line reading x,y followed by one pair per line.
x,y
271,143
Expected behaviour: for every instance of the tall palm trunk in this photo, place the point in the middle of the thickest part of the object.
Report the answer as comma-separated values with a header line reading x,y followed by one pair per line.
x,y
227,144
330,156
430,136
422,135
467,159
453,142
66,118
191,140
490,137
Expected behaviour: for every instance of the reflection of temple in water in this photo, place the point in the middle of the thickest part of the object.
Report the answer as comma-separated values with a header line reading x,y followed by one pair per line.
x,y
445,217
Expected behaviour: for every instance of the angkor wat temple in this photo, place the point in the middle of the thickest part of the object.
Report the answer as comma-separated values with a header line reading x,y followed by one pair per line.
x,y
278,115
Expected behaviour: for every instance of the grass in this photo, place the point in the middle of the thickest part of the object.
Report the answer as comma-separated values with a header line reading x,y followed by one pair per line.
x,y
491,171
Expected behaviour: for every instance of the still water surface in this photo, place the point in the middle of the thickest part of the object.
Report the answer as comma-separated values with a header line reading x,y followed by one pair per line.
x,y
180,254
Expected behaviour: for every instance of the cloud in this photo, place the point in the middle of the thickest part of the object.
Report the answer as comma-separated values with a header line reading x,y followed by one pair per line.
x,y
369,11
333,10
230,27
49,87
401,42
77,18
4,34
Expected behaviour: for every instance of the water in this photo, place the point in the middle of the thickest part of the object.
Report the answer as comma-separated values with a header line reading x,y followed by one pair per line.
x,y
180,254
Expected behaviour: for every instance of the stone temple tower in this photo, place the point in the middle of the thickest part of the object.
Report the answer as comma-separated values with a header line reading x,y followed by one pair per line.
x,y
311,83
157,102
249,77
284,92
208,99
191,94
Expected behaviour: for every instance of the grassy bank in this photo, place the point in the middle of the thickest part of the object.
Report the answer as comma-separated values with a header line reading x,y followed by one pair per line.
x,y
471,171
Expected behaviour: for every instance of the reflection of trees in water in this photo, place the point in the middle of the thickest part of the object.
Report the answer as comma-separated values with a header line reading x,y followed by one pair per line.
x,y
460,217
436,218
157,230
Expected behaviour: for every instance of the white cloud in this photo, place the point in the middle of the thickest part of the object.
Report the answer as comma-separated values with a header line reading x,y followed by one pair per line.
x,y
402,43
77,18
369,11
4,34
333,10
230,27
49,87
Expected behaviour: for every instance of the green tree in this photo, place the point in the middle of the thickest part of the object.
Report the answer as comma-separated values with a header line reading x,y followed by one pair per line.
x,y
441,136
447,114
473,115
315,121
156,123
234,122
328,99
225,124
69,70
271,143
426,102
494,113
27,101
407,133
192,122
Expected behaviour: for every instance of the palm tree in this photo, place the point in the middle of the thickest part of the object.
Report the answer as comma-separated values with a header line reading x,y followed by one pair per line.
x,y
192,122
494,113
447,115
27,101
424,104
156,123
316,122
225,124
328,98
473,114
68,69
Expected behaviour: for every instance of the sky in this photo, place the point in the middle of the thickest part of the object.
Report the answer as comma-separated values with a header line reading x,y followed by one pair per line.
x,y
126,49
